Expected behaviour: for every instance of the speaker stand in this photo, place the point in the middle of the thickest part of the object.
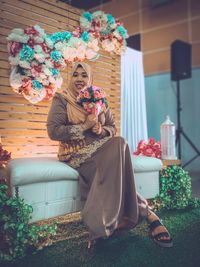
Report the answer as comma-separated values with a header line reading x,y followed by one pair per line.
x,y
179,130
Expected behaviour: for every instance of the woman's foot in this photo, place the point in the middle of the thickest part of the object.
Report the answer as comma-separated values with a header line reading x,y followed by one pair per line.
x,y
158,231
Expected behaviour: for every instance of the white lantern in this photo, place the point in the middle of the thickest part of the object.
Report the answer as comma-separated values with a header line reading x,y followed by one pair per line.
x,y
168,135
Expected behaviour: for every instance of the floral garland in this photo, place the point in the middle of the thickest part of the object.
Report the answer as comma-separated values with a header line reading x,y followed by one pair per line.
x,y
37,58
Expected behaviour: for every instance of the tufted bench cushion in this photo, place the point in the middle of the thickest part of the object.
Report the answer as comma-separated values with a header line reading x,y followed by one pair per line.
x,y
23,171
51,187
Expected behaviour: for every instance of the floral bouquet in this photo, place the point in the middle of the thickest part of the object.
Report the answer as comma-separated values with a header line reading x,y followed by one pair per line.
x,y
151,148
93,100
4,156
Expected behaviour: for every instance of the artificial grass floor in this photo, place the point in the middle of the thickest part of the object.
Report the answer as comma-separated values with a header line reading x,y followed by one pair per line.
x,y
132,249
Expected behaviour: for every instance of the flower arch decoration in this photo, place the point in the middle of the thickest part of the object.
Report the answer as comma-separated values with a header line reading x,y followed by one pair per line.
x,y
37,58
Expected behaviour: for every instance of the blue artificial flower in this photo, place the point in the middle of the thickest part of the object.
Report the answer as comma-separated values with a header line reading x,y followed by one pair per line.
x,y
37,85
110,19
87,15
54,72
85,36
27,53
60,36
56,56
122,31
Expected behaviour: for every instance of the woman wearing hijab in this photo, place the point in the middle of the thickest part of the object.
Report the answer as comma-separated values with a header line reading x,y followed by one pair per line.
x,y
107,189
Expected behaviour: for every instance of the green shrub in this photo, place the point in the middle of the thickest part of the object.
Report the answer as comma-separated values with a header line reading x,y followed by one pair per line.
x,y
175,189
16,234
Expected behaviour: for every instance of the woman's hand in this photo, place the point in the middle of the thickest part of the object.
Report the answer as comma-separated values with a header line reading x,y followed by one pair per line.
x,y
90,121
97,128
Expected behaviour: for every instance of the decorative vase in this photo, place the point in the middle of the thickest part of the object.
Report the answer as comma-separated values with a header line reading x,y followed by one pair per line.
x,y
168,135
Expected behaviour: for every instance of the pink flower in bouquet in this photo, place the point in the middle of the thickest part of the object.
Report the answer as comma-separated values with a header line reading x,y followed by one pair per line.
x,y
92,99
151,148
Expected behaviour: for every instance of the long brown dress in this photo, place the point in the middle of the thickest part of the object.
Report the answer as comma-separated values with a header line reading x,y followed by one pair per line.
x,y
106,179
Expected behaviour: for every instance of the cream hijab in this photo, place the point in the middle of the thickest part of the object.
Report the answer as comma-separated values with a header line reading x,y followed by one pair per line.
x,y
75,113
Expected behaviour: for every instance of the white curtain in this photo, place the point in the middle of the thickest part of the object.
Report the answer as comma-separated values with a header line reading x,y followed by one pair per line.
x,y
133,104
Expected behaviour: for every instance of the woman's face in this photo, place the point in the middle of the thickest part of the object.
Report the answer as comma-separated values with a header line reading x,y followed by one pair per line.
x,y
80,79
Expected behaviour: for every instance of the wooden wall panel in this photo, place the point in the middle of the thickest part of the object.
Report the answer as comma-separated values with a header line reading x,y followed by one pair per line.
x,y
132,23
157,61
195,7
153,41
196,30
22,124
166,14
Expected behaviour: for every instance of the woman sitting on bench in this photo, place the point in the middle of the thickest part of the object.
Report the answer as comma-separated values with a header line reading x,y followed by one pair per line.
x,y
87,143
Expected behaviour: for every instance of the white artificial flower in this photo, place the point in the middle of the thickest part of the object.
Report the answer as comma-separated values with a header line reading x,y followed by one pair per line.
x,y
14,61
24,64
40,30
18,31
85,24
47,71
15,79
18,38
59,46
52,80
94,45
81,50
35,96
59,82
49,43
48,63
38,49
108,45
91,54
38,39
40,57
69,53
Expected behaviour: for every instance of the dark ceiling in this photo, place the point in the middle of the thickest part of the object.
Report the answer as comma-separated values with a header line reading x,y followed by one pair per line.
x,y
85,4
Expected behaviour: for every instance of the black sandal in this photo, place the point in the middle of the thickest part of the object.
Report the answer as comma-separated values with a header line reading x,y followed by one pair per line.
x,y
166,243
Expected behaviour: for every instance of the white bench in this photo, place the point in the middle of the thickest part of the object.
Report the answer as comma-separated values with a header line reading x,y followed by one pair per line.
x,y
51,187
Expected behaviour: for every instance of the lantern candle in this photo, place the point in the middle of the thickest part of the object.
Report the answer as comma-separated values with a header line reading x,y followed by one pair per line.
x,y
168,133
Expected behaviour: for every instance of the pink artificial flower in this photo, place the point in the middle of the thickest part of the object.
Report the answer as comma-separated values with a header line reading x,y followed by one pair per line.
x,y
26,86
15,48
36,70
97,94
31,30
151,148
77,32
86,94
45,48
151,141
31,43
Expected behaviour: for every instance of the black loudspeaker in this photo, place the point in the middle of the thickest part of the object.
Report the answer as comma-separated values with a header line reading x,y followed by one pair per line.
x,y
180,60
